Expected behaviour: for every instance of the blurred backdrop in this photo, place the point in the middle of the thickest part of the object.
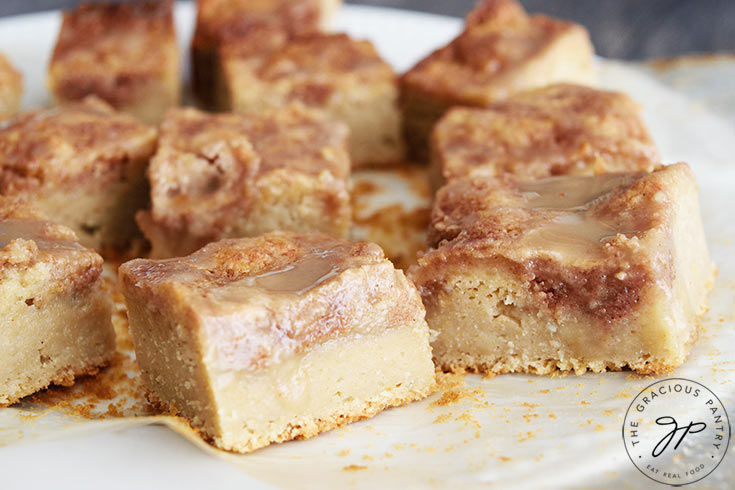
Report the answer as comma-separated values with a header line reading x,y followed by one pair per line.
x,y
630,29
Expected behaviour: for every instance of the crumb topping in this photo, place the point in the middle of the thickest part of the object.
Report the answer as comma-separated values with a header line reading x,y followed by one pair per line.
x,y
27,238
205,173
560,129
219,20
64,144
499,36
113,49
308,69
231,261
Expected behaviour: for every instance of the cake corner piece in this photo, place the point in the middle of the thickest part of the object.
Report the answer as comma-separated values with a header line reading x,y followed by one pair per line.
x,y
285,168
125,54
560,129
502,50
344,77
567,273
56,321
282,336
87,170
220,21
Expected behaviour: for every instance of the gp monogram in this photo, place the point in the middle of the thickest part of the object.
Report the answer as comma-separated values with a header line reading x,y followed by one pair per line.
x,y
676,431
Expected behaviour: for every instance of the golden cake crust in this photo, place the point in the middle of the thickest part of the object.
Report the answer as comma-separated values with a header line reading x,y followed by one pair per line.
x,y
561,129
85,141
113,50
474,68
11,88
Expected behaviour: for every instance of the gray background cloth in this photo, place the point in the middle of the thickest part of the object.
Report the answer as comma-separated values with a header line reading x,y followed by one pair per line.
x,y
629,29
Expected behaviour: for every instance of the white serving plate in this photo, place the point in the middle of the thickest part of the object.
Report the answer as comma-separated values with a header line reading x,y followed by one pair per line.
x,y
512,442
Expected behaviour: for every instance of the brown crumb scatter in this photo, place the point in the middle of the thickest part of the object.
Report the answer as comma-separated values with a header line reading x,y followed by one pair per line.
x,y
354,467
525,436
505,459
343,453
447,398
443,418
469,420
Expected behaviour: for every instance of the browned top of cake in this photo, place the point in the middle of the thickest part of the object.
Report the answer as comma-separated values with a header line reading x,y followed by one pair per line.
x,y
574,215
112,49
219,20
498,38
292,137
556,130
67,144
207,164
11,85
306,68
588,243
277,262
259,299
27,237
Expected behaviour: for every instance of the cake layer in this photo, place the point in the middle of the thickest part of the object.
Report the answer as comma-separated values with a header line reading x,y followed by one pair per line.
x,y
83,165
56,313
332,384
278,337
227,175
52,330
502,50
560,129
566,273
220,21
314,286
345,78
125,54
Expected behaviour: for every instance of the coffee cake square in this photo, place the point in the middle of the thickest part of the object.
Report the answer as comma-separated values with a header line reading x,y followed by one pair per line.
x,y
82,164
560,129
235,175
11,88
126,54
231,20
56,322
502,50
279,337
345,78
566,273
